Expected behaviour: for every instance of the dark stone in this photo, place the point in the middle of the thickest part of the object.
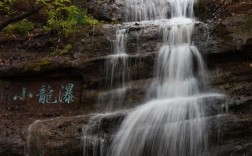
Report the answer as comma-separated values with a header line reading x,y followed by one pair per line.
x,y
227,53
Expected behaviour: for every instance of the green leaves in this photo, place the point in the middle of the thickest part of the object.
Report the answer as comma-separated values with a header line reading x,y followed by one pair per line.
x,y
63,18
60,13
22,27
5,6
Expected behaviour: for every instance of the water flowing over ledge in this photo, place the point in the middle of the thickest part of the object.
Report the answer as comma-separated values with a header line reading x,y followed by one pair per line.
x,y
173,91
230,72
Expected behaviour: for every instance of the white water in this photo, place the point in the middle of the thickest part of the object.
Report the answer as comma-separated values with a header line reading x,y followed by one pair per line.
x,y
146,10
90,140
96,134
182,8
116,74
117,64
172,123
142,10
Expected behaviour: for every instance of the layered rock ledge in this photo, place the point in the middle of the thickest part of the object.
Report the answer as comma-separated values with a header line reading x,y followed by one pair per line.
x,y
225,40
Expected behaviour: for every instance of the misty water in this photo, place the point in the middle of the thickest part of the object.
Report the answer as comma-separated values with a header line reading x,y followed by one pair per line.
x,y
173,120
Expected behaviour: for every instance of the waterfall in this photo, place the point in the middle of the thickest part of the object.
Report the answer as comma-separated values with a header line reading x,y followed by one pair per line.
x,y
172,123
143,10
116,67
96,135
116,64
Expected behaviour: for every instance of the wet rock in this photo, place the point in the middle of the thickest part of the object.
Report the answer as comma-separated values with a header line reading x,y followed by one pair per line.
x,y
228,23
56,136
64,135
12,146
229,134
104,10
227,52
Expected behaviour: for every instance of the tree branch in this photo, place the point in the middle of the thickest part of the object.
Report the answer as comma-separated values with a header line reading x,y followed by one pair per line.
x,y
19,18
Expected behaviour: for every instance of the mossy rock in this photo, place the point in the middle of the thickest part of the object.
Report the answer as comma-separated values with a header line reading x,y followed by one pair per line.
x,y
43,64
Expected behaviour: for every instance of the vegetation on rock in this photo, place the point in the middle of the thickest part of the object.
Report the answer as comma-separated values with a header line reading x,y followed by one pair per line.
x,y
63,51
59,17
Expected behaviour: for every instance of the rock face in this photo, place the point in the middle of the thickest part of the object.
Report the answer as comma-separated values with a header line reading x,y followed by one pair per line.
x,y
229,23
56,136
29,64
106,10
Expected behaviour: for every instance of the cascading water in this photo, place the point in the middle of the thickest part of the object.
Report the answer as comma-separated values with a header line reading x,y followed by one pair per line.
x,y
172,123
96,134
116,74
117,62
143,10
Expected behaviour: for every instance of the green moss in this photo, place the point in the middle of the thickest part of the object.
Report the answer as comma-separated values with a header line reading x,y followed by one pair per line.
x,y
115,21
22,27
44,63
63,51
90,20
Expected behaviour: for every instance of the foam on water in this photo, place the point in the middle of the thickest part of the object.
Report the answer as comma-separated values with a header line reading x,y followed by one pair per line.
x,y
172,123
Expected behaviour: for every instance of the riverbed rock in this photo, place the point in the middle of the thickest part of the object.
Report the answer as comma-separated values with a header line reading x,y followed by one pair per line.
x,y
224,39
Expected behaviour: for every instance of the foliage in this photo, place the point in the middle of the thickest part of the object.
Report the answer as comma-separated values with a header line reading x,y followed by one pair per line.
x,y
63,18
90,20
22,27
44,62
63,51
60,16
5,6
